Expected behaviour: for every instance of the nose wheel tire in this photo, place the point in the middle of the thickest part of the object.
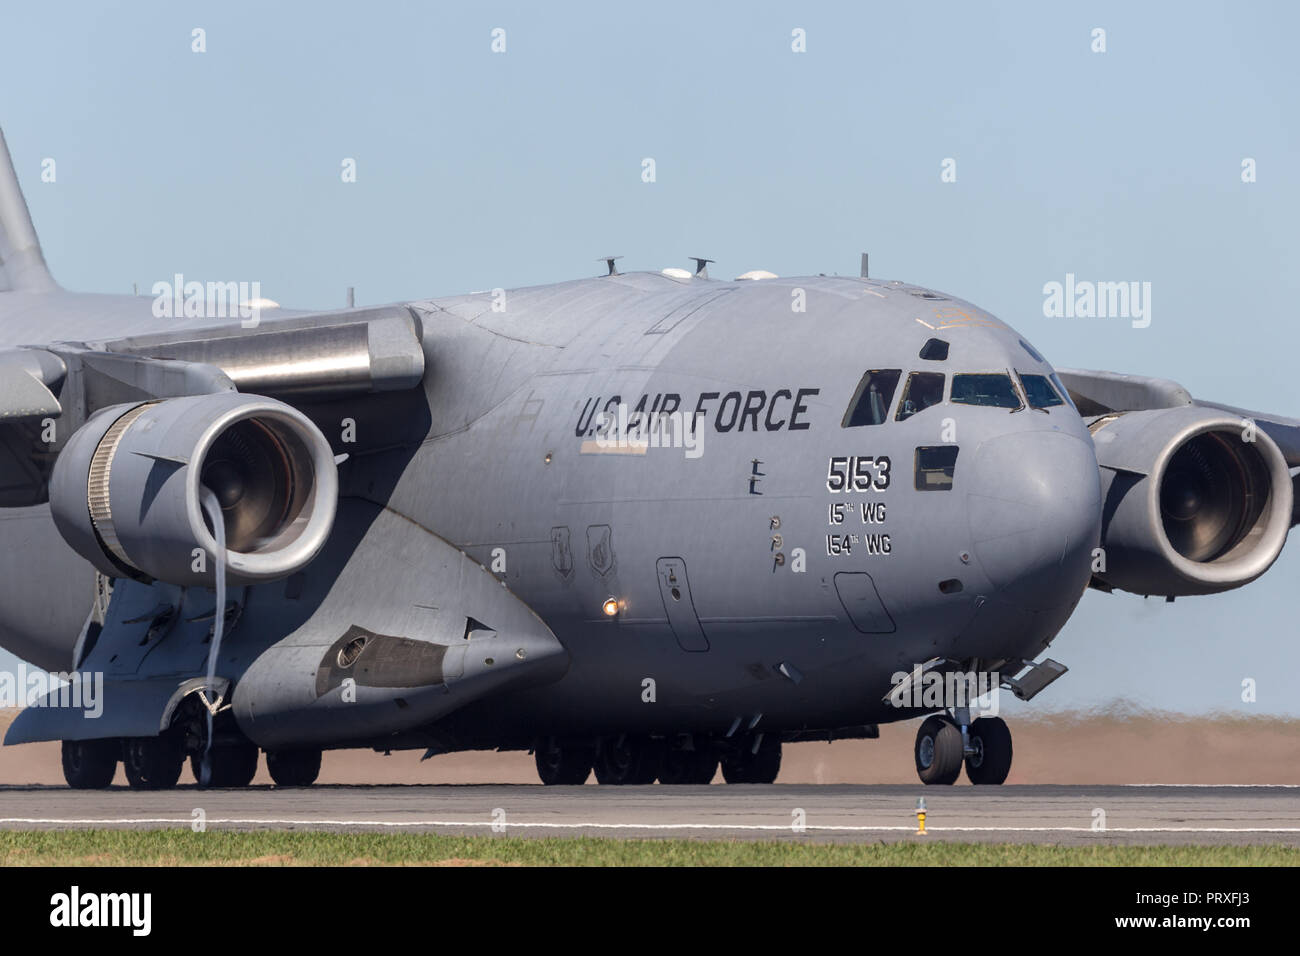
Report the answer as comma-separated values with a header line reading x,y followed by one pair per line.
x,y
152,763
90,764
627,760
938,750
563,766
990,759
230,765
746,766
293,768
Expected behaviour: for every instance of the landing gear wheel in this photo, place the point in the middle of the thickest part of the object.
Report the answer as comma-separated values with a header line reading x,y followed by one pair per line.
x,y
90,764
563,766
990,739
627,760
152,763
938,750
746,766
697,766
230,765
293,768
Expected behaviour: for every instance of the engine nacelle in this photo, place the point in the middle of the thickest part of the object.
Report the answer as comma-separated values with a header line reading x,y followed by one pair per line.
x,y
127,491
1194,501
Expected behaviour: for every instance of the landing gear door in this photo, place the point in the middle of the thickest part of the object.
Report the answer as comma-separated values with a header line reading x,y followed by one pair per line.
x,y
675,590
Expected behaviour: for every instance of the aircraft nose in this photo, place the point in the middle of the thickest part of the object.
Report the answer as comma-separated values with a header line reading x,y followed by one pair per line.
x,y
1035,515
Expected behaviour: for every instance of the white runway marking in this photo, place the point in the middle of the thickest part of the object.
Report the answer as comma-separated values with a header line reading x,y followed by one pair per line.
x,y
470,824
1048,814
1218,786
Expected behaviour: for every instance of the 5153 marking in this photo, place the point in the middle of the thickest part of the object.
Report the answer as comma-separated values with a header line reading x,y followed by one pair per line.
x,y
857,473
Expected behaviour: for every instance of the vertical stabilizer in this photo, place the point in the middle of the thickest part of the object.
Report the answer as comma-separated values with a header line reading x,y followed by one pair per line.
x,y
22,265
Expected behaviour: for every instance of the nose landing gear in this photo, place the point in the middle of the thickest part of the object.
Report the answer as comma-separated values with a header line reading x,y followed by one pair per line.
x,y
938,750
943,745
988,760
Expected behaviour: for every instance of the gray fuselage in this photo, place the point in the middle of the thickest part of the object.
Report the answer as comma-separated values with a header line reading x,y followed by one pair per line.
x,y
783,564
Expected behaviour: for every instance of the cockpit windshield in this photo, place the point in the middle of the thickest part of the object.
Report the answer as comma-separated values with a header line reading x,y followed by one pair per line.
x,y
985,388
923,389
873,398
1039,391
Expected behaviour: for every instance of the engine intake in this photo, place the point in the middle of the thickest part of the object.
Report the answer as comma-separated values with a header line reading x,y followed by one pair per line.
x,y
127,491
1194,501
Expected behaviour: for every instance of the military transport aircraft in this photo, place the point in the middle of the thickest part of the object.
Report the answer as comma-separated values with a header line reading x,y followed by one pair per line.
x,y
644,524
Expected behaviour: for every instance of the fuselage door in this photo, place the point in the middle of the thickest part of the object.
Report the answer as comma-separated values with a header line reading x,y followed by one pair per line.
x,y
679,605
862,603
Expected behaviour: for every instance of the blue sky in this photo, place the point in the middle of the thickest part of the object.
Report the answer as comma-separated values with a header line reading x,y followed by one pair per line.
x,y
478,169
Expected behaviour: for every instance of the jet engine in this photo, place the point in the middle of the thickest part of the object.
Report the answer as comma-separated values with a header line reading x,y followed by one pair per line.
x,y
128,491
1194,500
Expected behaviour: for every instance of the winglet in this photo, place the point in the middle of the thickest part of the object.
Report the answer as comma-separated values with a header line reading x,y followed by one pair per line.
x,y
22,265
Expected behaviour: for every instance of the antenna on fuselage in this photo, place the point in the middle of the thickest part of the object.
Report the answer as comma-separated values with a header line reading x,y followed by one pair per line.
x,y
609,261
863,273
701,266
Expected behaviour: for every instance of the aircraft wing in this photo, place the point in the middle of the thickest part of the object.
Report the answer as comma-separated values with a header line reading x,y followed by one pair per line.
x,y
1099,393
311,356
1284,431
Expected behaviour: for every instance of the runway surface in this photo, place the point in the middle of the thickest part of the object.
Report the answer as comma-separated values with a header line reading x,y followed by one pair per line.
x,y
841,813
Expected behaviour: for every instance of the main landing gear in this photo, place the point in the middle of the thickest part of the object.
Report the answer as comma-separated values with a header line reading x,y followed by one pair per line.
x,y
943,745
155,763
228,765
90,764
151,763
638,760
293,768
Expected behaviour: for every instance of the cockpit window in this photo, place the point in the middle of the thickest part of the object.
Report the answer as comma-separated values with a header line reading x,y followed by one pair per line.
x,y
1062,390
935,350
1039,391
922,390
985,388
1033,352
873,398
